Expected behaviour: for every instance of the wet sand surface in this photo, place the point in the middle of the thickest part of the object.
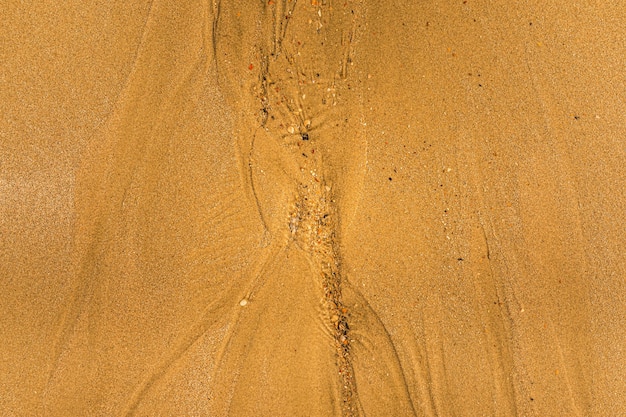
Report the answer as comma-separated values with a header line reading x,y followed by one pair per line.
x,y
313,208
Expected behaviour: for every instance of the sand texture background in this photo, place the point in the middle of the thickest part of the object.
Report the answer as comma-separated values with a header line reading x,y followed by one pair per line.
x,y
313,208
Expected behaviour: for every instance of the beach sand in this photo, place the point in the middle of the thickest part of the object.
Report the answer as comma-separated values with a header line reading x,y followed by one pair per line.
x,y
313,208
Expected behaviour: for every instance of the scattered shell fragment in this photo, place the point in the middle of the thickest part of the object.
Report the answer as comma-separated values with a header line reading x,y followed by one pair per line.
x,y
291,130
243,302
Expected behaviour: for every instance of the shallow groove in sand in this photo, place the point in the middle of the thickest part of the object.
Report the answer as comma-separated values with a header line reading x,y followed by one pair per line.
x,y
295,94
303,156
313,224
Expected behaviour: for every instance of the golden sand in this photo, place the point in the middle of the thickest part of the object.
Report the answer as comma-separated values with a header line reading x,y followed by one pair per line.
x,y
312,208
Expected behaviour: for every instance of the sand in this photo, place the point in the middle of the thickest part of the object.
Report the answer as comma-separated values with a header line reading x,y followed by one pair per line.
x,y
312,208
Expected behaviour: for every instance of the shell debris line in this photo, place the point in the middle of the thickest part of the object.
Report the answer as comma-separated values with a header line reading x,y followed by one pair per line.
x,y
313,224
302,83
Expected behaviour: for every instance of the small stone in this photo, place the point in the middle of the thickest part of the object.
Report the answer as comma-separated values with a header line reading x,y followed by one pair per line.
x,y
291,130
243,302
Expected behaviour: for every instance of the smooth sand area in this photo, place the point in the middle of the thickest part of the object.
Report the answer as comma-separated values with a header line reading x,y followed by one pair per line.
x,y
313,208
